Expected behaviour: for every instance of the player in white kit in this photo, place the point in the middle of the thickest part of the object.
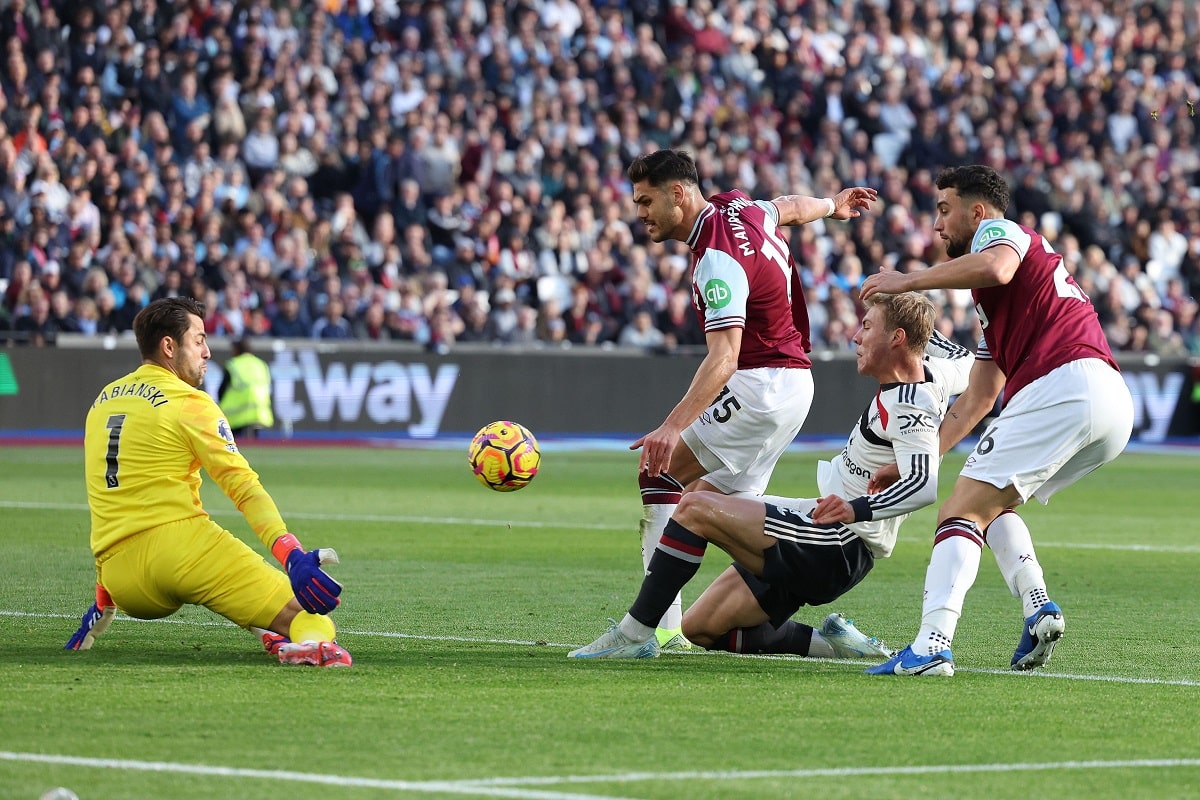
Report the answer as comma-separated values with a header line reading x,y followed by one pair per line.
x,y
1066,412
746,290
791,552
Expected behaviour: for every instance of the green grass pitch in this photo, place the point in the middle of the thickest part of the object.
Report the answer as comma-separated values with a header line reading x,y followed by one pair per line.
x,y
460,606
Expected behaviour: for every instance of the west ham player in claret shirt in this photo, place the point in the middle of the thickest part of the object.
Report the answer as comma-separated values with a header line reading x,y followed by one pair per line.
x,y
790,552
753,390
1066,412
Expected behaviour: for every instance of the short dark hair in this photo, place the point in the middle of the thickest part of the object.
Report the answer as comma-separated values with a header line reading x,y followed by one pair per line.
x,y
167,316
662,167
976,182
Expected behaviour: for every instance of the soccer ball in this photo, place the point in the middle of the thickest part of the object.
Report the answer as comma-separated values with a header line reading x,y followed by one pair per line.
x,y
504,456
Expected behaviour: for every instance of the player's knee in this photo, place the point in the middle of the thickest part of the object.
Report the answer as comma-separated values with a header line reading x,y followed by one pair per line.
x,y
958,512
693,510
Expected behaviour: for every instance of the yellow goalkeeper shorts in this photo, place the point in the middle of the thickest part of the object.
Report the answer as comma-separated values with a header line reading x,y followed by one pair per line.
x,y
151,575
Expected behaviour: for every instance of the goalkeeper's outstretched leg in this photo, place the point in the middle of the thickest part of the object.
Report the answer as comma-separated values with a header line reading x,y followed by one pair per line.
x,y
310,640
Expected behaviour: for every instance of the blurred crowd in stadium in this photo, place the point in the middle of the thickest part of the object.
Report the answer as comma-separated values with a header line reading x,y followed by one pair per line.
x,y
454,171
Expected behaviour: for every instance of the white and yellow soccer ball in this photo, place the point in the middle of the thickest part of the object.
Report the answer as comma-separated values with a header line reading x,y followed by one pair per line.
x,y
504,456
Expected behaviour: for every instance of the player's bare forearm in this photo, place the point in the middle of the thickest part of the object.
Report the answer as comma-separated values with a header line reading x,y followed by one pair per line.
x,y
710,378
798,209
972,405
958,423
992,267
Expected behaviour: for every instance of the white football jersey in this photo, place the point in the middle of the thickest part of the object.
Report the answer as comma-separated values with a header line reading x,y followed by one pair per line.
x,y
899,426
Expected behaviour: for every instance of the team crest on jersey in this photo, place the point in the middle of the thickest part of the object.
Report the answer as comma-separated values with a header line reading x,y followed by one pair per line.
x,y
717,293
991,233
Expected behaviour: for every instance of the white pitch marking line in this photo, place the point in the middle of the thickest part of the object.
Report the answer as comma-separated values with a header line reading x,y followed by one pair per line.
x,y
497,787
1030,675
571,525
426,787
834,772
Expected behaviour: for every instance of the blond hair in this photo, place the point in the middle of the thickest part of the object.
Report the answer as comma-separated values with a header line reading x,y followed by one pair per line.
x,y
911,312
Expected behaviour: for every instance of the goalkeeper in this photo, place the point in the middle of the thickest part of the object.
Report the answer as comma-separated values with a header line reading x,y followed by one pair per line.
x,y
147,436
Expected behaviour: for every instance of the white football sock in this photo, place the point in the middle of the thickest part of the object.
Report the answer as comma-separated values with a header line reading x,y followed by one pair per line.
x,y
953,567
1009,538
819,646
635,630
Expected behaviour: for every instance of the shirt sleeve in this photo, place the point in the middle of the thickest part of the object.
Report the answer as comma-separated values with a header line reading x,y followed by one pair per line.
x,y
213,445
769,208
992,232
949,363
724,290
982,353
912,428
941,347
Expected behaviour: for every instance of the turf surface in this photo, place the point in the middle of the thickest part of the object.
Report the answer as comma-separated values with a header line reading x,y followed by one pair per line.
x,y
461,603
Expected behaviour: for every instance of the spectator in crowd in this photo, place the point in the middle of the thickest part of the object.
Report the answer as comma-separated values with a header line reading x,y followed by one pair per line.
x,y
288,322
497,138
640,332
107,318
332,324
61,313
678,321
503,316
35,325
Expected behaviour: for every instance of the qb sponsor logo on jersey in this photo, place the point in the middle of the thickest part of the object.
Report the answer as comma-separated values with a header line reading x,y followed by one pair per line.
x,y
717,293
991,233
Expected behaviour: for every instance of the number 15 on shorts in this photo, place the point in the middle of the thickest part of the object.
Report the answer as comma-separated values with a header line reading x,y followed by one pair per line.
x,y
722,409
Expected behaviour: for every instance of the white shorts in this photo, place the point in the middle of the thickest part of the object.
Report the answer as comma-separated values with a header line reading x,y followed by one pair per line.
x,y
740,437
1056,430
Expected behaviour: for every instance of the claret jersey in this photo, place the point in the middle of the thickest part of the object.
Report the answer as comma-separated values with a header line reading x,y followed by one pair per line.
x,y
147,436
1041,319
743,276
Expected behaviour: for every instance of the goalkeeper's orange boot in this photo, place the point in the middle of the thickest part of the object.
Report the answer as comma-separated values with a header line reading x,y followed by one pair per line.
x,y
273,641
317,654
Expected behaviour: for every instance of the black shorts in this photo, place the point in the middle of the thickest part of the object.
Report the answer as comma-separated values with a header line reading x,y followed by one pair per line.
x,y
810,564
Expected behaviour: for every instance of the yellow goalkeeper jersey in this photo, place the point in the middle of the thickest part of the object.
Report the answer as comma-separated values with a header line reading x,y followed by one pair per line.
x,y
146,438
